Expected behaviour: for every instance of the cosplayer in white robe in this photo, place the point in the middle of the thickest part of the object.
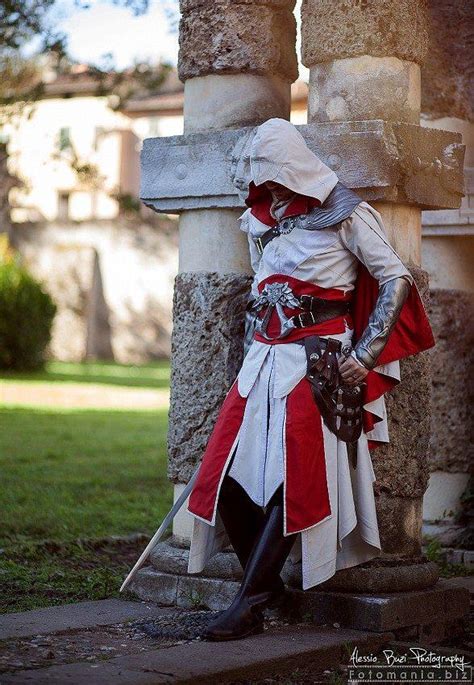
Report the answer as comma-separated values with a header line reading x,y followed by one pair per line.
x,y
327,258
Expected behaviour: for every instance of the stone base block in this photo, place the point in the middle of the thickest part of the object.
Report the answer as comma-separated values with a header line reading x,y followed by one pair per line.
x,y
409,615
383,161
382,574
189,592
389,574
394,612
171,558
434,633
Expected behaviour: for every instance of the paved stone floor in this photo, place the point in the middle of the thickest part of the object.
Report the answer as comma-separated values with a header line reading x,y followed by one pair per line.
x,y
131,642
138,643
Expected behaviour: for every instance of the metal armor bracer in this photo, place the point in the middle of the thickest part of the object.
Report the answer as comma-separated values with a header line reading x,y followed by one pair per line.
x,y
388,306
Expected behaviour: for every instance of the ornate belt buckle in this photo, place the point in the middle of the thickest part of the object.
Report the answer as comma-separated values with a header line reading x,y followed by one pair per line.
x,y
276,296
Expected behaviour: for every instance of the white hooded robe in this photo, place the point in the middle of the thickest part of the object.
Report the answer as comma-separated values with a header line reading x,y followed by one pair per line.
x,y
328,258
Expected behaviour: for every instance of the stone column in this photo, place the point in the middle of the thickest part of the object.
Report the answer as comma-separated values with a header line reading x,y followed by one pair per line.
x,y
364,58
238,60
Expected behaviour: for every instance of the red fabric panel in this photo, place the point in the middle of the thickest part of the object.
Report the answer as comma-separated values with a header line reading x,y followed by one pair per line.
x,y
412,334
260,199
331,327
306,491
306,288
204,493
377,385
307,496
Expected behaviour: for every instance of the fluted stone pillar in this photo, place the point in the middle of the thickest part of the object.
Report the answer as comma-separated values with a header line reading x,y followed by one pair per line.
x,y
364,60
238,60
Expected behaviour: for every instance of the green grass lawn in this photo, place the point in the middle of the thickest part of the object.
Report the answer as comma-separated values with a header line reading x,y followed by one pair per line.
x,y
70,474
70,478
152,375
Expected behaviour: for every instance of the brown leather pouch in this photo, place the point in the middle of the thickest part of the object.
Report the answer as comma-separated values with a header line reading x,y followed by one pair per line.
x,y
340,405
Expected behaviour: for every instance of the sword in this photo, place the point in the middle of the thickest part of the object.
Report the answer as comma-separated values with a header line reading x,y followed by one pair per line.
x,y
161,530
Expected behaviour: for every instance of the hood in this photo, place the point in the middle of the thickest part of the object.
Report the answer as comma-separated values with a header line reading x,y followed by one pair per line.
x,y
276,151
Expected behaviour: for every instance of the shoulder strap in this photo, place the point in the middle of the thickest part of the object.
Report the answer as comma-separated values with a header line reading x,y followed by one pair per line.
x,y
267,237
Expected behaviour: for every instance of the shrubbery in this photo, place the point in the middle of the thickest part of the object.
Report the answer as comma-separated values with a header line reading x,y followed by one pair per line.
x,y
26,317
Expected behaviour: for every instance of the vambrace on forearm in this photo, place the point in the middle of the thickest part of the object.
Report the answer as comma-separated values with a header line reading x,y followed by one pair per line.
x,y
388,306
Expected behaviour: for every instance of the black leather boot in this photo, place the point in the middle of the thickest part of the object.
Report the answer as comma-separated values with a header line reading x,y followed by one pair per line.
x,y
244,521
244,616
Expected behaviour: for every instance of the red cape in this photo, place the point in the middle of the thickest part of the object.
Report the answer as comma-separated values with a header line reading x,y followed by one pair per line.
x,y
412,334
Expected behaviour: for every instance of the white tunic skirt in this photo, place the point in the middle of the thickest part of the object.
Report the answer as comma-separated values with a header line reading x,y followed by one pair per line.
x,y
349,535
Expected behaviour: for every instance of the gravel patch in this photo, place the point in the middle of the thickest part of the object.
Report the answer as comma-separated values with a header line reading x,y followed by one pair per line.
x,y
180,625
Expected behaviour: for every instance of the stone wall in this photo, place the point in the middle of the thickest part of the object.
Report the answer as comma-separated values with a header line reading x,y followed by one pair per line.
x,y
452,432
447,75
447,100
207,353
112,282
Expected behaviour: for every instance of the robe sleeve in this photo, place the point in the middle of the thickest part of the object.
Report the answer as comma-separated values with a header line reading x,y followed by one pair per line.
x,y
255,257
363,234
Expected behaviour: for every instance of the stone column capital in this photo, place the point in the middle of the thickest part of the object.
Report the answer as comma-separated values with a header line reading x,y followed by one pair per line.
x,y
337,29
383,161
237,37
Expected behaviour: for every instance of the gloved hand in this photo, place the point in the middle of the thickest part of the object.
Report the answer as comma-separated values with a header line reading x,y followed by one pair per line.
x,y
351,370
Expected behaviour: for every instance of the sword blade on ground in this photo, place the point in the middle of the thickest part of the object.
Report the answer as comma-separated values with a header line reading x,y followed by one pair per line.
x,y
161,530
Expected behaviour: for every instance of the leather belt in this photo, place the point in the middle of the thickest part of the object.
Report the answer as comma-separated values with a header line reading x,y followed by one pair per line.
x,y
318,310
276,296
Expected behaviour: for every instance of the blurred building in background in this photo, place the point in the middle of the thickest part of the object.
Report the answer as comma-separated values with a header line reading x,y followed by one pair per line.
x,y
108,262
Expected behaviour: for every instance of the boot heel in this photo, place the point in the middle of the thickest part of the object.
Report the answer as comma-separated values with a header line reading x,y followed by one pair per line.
x,y
216,637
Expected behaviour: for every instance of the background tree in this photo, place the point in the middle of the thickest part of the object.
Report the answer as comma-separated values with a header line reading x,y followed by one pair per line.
x,y
24,23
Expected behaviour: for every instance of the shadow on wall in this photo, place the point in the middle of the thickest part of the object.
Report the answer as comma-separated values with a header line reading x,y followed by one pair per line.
x,y
146,336
98,330
112,282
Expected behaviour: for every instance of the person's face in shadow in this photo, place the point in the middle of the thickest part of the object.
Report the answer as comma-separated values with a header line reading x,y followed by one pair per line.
x,y
282,193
